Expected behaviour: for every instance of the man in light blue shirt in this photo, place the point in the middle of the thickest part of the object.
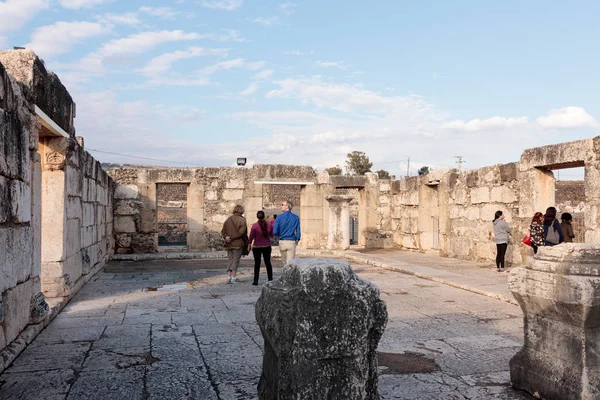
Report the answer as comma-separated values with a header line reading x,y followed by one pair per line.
x,y
287,229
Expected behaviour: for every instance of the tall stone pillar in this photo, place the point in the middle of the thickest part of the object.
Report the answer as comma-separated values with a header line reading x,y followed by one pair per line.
x,y
339,222
559,294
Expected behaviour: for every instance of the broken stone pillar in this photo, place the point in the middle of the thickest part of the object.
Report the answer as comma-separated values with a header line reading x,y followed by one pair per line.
x,y
560,297
321,324
339,222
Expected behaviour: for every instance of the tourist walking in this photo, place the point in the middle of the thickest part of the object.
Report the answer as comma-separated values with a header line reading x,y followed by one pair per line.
x,y
236,240
260,243
287,229
501,231
553,233
536,231
566,227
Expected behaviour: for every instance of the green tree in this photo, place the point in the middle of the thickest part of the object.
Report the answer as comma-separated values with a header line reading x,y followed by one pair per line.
x,y
358,163
424,170
383,174
337,170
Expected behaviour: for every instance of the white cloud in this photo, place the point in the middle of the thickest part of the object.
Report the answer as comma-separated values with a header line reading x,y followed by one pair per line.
x,y
229,64
329,64
164,61
264,74
338,137
288,8
568,117
250,89
60,37
129,18
267,21
228,5
16,13
485,124
77,4
342,97
142,42
160,12
230,35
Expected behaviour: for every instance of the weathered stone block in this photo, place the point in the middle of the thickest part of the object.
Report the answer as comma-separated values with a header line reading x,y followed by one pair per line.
x,y
211,195
74,179
321,324
20,202
559,294
233,194
74,237
16,260
503,194
124,225
126,192
480,195
5,204
16,303
235,183
144,243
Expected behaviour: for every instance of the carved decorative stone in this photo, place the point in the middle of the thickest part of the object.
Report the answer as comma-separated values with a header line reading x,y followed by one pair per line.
x,y
560,297
54,161
39,309
321,324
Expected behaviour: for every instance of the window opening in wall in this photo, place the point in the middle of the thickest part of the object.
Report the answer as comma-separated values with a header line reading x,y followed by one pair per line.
x,y
171,215
569,194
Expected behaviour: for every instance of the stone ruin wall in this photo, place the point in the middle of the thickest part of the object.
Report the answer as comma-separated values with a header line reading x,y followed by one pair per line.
x,y
19,226
212,192
55,203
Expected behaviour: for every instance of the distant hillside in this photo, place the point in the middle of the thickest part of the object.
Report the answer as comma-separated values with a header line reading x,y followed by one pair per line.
x,y
106,166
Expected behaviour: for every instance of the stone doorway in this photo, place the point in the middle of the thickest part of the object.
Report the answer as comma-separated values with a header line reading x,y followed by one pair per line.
x,y
171,215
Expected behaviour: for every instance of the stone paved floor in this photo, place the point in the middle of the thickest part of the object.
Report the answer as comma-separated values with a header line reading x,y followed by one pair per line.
x,y
123,337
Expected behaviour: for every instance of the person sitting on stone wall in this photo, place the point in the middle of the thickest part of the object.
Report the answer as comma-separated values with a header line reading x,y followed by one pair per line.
x,y
566,227
234,232
260,243
287,229
553,233
536,231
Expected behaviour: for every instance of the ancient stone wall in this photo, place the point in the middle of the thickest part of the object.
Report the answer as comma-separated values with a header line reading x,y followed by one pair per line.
x,y
212,192
570,195
19,238
55,202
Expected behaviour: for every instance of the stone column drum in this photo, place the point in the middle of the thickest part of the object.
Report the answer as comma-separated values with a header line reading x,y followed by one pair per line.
x,y
339,222
321,324
559,294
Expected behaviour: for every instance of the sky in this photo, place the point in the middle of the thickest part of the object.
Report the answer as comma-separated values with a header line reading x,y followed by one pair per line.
x,y
202,82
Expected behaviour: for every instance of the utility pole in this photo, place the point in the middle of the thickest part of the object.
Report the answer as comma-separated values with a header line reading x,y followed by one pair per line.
x,y
408,167
459,162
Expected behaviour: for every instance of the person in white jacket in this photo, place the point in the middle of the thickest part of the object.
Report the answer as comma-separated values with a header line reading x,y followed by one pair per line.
x,y
501,231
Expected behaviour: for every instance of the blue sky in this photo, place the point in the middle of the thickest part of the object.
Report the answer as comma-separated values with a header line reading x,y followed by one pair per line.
x,y
305,82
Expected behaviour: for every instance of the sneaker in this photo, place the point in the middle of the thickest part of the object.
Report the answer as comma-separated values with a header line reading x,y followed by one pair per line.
x,y
235,280
229,279
255,283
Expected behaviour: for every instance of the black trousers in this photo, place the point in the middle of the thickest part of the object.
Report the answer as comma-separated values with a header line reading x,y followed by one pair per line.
x,y
501,248
266,254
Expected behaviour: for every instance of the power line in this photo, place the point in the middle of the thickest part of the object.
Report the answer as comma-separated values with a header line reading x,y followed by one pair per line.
x,y
142,158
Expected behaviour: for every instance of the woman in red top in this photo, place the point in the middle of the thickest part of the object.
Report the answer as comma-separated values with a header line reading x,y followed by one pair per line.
x,y
260,243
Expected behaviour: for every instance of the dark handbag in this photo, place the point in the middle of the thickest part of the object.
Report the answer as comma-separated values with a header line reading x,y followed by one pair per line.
x,y
245,250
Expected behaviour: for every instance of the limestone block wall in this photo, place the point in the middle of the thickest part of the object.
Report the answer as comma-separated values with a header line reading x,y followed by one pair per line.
x,y
55,202
473,199
19,227
80,198
212,192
